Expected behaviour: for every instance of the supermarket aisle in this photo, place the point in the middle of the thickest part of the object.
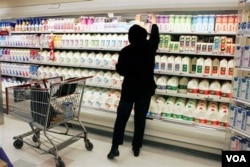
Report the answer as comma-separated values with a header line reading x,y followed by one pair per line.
x,y
77,156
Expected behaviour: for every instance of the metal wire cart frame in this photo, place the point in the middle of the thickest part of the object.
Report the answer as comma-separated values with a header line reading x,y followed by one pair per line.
x,y
47,105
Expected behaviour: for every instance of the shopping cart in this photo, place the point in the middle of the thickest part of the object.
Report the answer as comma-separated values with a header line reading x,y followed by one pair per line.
x,y
49,106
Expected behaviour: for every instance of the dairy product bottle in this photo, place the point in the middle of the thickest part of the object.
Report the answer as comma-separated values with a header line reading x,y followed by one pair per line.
x,y
40,72
157,62
200,66
193,65
69,57
160,103
170,65
84,59
199,114
114,60
223,68
193,86
99,78
163,63
172,85
57,56
182,87
230,67
186,65
99,60
162,83
212,116
169,107
107,60
91,59
179,109
77,73
208,66
226,90
76,59
115,80
93,79
103,41
222,116
215,89
215,67
178,64
107,78
204,88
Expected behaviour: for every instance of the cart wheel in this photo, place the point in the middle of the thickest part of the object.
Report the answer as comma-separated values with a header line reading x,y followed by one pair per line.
x,y
59,162
88,145
35,138
18,144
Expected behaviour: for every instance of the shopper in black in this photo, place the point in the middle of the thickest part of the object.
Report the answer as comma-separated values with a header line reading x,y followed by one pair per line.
x,y
136,63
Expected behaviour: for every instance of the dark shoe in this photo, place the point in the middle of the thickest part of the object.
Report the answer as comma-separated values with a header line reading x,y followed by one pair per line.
x,y
136,152
113,153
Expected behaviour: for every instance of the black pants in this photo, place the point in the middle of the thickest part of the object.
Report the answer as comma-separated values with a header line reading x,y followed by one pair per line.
x,y
141,107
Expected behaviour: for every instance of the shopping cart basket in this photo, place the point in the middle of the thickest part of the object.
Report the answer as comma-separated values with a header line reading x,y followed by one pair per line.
x,y
47,105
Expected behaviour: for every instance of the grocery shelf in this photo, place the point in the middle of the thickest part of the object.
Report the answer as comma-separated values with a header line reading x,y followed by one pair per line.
x,y
243,68
167,132
88,48
194,75
240,132
197,33
103,86
241,101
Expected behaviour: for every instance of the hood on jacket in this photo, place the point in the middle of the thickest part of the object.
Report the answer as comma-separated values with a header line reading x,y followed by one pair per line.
x,y
136,33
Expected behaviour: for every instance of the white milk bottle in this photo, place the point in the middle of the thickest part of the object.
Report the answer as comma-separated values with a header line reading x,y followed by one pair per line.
x,y
69,57
162,83
62,58
163,63
99,78
99,60
204,88
85,73
193,86
169,107
40,72
199,115
215,67
179,109
223,68
157,62
208,66
200,66
103,40
215,89
76,58
160,102
178,63
226,90
108,41
186,65
87,40
152,106
230,68
223,115
115,80
57,56
107,60
107,78
212,115
114,41
91,59
182,87
114,60
189,110
193,65
93,79
170,65
84,59
172,85
77,73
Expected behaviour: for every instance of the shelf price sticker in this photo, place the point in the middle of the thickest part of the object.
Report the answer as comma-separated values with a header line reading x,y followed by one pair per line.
x,y
235,159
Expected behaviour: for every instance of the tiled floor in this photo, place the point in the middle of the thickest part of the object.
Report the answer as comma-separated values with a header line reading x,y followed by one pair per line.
x,y
76,154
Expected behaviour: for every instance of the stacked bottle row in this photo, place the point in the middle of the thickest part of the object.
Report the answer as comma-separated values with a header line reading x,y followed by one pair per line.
x,y
239,143
242,56
193,86
199,66
240,118
8,82
198,111
241,88
195,44
197,23
19,70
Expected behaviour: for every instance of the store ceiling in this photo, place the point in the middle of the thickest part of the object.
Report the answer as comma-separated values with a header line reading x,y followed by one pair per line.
x,y
28,8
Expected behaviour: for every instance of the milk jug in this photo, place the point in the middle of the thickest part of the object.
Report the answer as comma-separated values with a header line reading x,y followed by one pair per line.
x,y
69,57
107,78
182,87
178,63
226,90
193,65
107,60
91,58
204,88
115,80
186,65
99,60
193,86
230,67
172,85
215,89
199,116
215,67
162,83
208,66
223,116
84,59
160,103
157,62
76,59
169,107
170,65
212,115
200,66
99,78
114,60
92,80
163,63
223,68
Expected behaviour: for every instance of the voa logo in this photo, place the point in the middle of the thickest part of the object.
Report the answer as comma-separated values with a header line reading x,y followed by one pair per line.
x,y
236,158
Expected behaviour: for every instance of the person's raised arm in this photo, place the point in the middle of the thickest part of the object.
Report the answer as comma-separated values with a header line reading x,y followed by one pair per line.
x,y
154,34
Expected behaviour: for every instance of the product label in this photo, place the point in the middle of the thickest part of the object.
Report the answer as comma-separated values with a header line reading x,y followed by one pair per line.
x,y
192,90
207,70
199,69
184,68
223,71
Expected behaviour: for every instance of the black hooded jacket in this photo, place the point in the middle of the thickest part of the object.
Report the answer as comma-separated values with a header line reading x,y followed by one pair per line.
x,y
136,63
